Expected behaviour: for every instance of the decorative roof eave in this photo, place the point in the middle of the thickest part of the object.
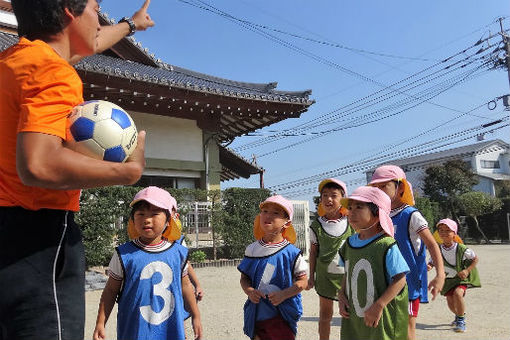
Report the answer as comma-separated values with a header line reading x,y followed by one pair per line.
x,y
103,65
234,166
230,118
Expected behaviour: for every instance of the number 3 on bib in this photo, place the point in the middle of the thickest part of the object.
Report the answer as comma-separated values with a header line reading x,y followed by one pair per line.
x,y
161,290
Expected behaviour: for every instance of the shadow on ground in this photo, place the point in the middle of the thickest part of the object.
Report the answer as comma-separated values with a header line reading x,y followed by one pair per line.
x,y
334,322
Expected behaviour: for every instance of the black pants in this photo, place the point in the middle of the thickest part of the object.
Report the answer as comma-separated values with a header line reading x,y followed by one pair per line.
x,y
42,275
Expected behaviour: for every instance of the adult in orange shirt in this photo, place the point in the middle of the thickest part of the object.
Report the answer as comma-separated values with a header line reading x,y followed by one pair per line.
x,y
41,253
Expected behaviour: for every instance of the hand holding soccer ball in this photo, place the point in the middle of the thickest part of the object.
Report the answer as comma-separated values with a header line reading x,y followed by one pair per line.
x,y
101,130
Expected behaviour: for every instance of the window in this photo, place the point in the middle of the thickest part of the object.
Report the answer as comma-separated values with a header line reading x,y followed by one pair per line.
x,y
489,164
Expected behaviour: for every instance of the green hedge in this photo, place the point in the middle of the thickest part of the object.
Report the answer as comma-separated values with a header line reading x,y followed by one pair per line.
x,y
240,206
105,211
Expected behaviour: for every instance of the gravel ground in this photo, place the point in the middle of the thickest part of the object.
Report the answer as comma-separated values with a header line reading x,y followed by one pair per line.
x,y
487,308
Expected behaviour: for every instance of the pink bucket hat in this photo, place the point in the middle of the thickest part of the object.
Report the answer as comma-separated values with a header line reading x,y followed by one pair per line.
x,y
387,173
449,223
156,196
379,198
161,199
289,233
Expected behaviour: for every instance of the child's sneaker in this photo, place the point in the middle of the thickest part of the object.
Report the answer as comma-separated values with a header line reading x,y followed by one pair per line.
x,y
461,326
454,322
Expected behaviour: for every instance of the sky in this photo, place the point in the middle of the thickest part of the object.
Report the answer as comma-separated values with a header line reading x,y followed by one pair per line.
x,y
390,78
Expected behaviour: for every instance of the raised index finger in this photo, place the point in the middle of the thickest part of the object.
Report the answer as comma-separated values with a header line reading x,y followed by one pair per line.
x,y
146,4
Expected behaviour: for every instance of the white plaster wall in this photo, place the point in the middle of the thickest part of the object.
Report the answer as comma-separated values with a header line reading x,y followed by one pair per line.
x,y
491,156
169,137
8,18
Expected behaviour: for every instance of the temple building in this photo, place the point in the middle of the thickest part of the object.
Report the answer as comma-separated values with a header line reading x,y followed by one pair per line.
x,y
189,117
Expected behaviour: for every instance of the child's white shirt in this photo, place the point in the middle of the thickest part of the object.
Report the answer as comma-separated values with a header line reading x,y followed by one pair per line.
x,y
334,228
261,249
115,267
450,256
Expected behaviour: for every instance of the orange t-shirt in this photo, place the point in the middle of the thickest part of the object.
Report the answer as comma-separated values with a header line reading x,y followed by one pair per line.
x,y
38,89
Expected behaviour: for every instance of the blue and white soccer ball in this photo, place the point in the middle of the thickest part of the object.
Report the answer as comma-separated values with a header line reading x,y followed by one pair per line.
x,y
101,130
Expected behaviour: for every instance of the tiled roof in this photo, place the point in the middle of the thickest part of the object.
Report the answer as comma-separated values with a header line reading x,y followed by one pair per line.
x,y
455,152
235,166
166,74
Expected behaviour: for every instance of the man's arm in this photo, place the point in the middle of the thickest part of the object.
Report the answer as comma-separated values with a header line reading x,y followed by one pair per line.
x,y
110,35
42,160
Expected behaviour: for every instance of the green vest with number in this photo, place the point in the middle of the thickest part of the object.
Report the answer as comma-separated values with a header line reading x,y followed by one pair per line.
x,y
473,279
328,274
365,269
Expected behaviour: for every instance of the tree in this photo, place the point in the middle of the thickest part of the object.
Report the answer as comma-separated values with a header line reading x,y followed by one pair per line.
x,y
477,203
445,183
428,208
240,206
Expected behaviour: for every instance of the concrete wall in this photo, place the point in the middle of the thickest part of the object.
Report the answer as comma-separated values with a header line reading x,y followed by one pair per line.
x,y
170,138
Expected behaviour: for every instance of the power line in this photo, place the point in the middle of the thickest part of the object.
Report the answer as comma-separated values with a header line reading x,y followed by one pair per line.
x,y
379,157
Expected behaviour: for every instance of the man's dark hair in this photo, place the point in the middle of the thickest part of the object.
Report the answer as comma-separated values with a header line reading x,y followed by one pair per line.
x,y
40,19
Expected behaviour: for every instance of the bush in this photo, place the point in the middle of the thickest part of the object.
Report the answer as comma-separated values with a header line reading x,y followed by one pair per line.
x,y
105,212
240,206
429,209
197,256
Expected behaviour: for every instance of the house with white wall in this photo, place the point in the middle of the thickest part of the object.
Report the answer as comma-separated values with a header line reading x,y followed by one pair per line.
x,y
489,160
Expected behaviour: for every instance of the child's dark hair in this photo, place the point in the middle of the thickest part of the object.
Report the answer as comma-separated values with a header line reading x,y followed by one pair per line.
x,y
143,205
333,185
40,19
374,209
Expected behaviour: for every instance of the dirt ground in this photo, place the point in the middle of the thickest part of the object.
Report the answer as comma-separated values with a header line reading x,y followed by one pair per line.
x,y
487,308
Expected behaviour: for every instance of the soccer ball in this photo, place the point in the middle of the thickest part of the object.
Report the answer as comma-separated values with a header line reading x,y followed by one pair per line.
x,y
102,130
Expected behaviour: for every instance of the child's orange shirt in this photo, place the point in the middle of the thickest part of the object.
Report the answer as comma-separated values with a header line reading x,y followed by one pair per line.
x,y
38,89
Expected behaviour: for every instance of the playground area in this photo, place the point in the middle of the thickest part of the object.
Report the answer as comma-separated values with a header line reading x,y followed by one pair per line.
x,y
487,308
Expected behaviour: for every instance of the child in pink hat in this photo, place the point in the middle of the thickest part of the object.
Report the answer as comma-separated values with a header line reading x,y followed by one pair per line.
x,y
373,296
327,233
273,273
413,237
461,273
139,269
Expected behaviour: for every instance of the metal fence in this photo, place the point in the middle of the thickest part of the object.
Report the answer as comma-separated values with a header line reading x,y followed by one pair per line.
x,y
196,223
301,222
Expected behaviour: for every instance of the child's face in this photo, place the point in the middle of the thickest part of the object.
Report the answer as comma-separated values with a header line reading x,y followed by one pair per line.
x,y
445,233
330,199
360,216
150,222
272,218
392,189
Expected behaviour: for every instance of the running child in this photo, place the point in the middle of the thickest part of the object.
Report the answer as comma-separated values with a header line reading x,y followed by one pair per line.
x,y
327,234
373,297
461,273
148,276
273,273
413,237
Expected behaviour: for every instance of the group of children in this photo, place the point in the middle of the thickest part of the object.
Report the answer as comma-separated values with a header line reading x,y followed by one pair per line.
x,y
368,252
